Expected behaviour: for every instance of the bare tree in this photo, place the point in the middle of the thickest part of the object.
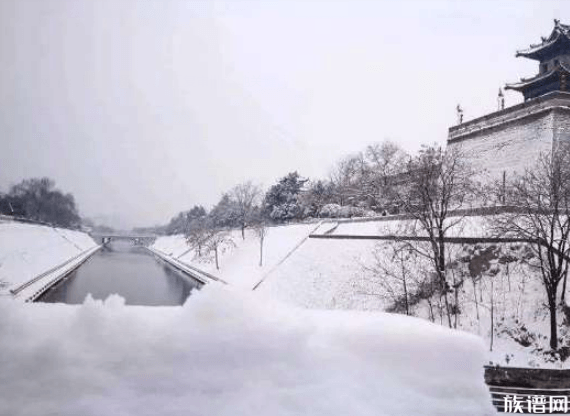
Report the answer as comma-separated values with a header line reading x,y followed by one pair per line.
x,y
261,231
246,195
542,195
367,178
439,183
401,275
196,232
345,177
217,237
394,274
386,160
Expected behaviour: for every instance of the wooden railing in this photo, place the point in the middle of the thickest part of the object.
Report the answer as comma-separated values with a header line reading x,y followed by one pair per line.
x,y
535,390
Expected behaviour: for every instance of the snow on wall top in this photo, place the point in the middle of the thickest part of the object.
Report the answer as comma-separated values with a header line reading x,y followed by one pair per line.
x,y
477,126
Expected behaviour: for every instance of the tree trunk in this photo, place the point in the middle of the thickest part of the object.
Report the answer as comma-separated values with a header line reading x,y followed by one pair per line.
x,y
243,230
405,288
261,252
475,298
443,277
446,299
406,297
492,317
553,327
431,315
563,295
216,254
456,308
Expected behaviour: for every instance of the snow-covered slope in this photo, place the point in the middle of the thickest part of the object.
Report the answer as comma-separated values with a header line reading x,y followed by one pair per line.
x,y
344,274
327,273
239,258
28,250
233,353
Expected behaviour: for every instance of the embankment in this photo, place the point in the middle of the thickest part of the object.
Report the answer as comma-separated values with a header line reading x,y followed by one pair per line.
x,y
34,257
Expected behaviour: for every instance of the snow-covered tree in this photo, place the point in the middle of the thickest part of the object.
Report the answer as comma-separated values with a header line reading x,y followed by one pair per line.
x,y
369,178
245,198
281,202
317,195
226,213
38,199
180,223
197,232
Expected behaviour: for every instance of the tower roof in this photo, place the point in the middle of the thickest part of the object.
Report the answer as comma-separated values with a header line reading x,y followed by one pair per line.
x,y
544,78
559,39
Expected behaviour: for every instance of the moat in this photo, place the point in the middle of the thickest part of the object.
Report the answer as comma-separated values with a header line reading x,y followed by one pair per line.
x,y
129,271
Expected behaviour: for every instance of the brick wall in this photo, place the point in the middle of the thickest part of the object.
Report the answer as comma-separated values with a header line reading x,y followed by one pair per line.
x,y
511,140
508,147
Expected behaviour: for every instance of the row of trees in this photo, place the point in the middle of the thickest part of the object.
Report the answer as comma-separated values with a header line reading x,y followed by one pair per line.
x,y
38,199
363,182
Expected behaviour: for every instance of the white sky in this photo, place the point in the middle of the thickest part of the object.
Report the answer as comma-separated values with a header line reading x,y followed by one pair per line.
x,y
143,108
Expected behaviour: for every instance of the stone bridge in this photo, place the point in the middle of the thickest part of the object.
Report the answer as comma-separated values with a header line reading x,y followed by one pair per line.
x,y
139,240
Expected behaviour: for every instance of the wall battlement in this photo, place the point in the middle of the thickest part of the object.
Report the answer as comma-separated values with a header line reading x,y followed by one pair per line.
x,y
508,141
499,119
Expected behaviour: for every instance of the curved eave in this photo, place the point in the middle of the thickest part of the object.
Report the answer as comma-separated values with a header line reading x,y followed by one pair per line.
x,y
537,52
553,73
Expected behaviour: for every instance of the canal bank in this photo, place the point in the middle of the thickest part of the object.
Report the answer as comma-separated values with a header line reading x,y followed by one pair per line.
x,y
195,273
34,257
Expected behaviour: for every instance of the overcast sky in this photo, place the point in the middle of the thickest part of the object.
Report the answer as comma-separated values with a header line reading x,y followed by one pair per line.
x,y
144,108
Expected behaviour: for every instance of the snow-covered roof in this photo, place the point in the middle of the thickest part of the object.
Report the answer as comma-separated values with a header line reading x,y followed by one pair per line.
x,y
560,36
526,82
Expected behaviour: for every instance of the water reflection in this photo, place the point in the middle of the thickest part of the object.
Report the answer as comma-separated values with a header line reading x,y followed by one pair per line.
x,y
127,270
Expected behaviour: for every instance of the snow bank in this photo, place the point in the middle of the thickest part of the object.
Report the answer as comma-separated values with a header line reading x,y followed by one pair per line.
x,y
231,353
27,250
319,273
239,258
331,274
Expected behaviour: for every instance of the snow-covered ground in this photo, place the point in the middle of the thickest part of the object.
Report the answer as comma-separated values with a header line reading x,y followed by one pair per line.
x,y
29,250
343,274
330,273
227,352
239,258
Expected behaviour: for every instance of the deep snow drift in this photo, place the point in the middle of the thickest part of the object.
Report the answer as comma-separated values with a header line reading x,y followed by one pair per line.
x,y
232,353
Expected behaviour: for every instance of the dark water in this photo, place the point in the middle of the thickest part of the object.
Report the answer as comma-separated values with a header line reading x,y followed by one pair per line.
x,y
127,270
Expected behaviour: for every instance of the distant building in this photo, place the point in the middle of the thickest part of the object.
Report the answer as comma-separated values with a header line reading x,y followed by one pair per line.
x,y
510,139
